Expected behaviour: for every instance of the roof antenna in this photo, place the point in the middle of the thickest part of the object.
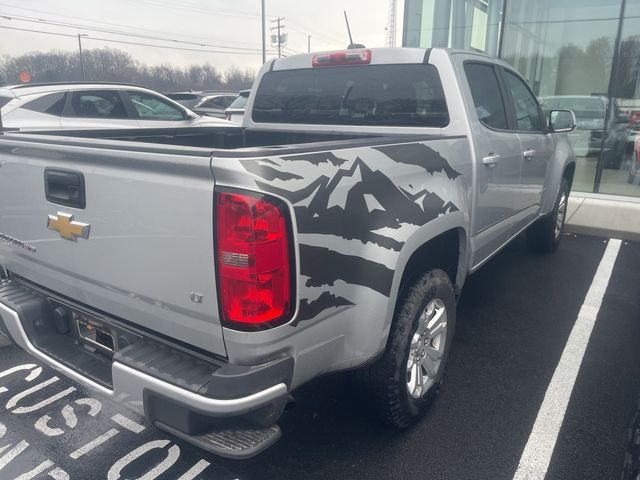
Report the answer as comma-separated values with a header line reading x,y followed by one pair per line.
x,y
351,44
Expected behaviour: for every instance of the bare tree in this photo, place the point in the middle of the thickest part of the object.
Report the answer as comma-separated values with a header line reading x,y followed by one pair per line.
x,y
114,65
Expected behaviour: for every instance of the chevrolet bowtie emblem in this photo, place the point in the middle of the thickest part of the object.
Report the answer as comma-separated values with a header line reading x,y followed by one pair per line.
x,y
68,229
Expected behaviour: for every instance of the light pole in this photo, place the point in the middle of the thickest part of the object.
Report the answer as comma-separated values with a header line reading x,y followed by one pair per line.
x,y
308,43
264,45
80,35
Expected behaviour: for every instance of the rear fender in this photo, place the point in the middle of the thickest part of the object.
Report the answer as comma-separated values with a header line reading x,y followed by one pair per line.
x,y
359,213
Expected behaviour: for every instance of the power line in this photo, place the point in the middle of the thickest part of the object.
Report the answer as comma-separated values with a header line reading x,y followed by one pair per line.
x,y
107,23
199,9
121,32
305,30
38,31
129,43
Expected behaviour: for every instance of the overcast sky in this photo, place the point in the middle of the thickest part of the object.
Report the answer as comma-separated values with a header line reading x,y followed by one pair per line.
x,y
234,24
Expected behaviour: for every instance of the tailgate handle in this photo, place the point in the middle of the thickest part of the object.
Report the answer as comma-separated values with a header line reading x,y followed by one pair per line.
x,y
64,187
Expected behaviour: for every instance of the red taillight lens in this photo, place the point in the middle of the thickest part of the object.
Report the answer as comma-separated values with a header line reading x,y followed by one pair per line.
x,y
347,57
253,259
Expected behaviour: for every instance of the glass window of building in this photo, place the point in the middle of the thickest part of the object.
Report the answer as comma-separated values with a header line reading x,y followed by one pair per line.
x,y
581,55
466,24
565,51
620,169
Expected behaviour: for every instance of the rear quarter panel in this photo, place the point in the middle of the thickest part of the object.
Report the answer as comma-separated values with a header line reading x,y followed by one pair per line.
x,y
358,214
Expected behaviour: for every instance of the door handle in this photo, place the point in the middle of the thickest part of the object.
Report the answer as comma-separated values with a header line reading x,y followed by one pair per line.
x,y
64,187
529,154
491,160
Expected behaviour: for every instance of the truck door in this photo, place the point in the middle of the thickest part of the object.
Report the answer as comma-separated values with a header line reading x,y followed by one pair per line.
x,y
498,156
536,145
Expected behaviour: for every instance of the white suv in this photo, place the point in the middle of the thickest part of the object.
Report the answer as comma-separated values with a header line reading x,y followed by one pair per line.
x,y
84,105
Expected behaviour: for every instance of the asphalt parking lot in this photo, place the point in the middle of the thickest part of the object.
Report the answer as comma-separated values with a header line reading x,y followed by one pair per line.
x,y
514,322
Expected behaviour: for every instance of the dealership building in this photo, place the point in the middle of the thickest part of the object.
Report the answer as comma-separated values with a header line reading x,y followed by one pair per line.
x,y
582,55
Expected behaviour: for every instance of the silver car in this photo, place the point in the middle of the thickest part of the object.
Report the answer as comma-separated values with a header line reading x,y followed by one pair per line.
x,y
207,103
94,105
235,112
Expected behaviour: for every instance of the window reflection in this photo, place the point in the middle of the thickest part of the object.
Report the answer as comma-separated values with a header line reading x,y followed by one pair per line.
x,y
622,175
565,51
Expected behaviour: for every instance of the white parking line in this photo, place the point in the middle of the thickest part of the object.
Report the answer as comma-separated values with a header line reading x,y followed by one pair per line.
x,y
93,444
536,456
128,423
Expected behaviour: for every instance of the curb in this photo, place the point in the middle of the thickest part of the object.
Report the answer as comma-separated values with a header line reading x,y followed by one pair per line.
x,y
602,232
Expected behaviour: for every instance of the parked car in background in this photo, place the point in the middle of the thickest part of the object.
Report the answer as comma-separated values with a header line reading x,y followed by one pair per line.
x,y
235,112
591,112
90,105
634,170
206,103
634,130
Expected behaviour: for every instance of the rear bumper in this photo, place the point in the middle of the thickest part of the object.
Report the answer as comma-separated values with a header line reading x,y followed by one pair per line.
x,y
163,400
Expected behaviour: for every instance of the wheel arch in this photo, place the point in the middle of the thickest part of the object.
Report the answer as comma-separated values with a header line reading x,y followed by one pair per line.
x,y
444,247
569,172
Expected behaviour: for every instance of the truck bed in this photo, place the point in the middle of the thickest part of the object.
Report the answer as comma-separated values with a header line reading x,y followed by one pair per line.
x,y
235,141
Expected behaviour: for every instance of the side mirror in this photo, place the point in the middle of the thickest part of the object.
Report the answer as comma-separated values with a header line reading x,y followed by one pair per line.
x,y
561,121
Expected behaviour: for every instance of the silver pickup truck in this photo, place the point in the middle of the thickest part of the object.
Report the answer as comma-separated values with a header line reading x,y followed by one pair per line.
x,y
202,275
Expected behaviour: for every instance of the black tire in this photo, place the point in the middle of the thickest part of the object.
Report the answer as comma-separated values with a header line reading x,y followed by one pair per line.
x,y
542,236
385,382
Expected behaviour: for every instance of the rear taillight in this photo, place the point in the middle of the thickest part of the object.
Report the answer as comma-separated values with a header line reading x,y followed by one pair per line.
x,y
253,260
347,57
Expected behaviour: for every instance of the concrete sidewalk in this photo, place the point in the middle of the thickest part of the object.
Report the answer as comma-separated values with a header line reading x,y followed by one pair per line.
x,y
616,217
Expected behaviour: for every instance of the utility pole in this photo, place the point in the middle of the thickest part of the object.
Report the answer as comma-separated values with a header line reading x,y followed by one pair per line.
x,y
391,23
309,43
80,35
264,34
280,38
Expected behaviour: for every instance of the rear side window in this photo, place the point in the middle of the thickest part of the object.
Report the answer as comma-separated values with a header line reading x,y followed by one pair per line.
x,y
487,97
98,104
52,104
383,95
239,102
4,101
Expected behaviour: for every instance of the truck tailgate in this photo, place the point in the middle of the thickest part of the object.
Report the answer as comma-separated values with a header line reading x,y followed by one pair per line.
x,y
148,256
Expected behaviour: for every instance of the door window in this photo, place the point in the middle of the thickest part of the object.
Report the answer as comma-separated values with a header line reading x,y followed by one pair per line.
x,y
527,110
98,104
217,103
151,107
487,97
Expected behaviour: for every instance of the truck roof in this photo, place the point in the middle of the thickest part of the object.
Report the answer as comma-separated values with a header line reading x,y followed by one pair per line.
x,y
380,56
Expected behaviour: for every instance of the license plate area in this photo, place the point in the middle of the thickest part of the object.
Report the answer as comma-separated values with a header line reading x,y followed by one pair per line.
x,y
94,333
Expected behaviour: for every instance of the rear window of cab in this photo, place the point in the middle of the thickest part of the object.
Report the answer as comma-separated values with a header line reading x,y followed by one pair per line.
x,y
375,95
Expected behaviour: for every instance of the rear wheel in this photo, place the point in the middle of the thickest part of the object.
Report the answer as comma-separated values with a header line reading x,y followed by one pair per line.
x,y
544,236
404,382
